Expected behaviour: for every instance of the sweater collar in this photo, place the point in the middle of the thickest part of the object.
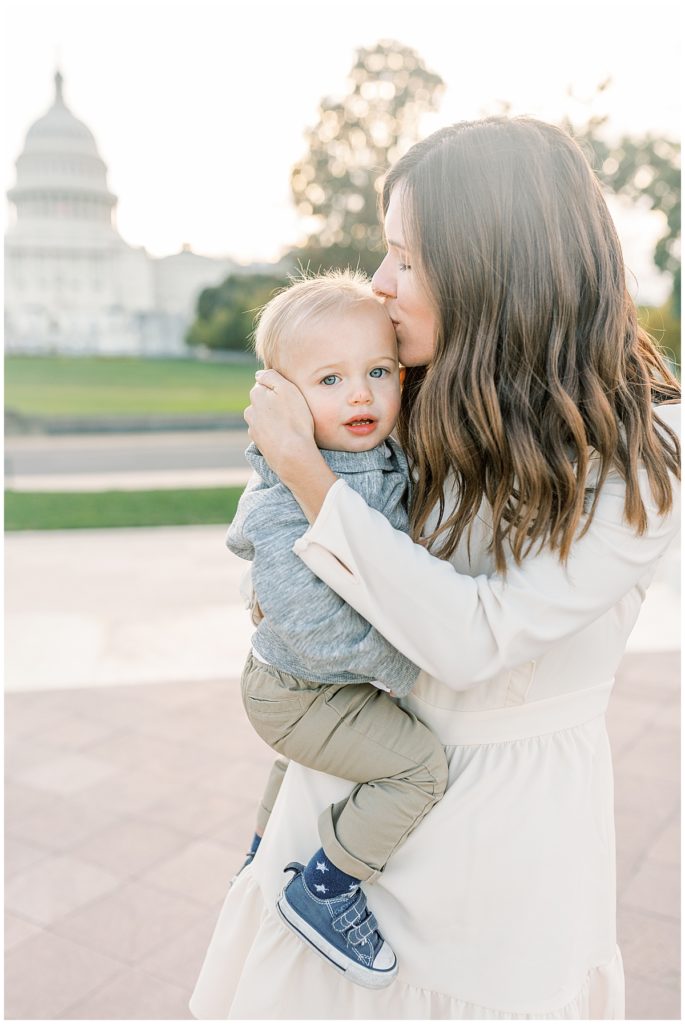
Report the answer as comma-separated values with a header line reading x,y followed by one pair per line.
x,y
340,462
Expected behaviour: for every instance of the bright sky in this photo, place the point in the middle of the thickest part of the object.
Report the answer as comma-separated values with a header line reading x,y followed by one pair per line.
x,y
199,107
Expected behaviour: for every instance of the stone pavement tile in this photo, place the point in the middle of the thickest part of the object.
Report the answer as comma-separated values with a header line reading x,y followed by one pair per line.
x,y
160,924
655,801
236,837
643,809
654,889
186,696
132,995
668,717
636,839
627,720
200,872
631,850
46,974
27,714
54,887
129,793
62,825
67,773
650,947
246,775
179,960
215,723
193,810
653,675
666,846
225,775
656,755
129,846
22,801
245,744
132,922
116,707
75,732
19,856
26,752
179,762
17,930
647,1001
207,726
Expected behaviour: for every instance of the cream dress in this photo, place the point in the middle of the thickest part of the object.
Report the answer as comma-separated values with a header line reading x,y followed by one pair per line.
x,y
501,905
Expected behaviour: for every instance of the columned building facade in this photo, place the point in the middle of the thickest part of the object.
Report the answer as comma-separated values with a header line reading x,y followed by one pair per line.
x,y
72,284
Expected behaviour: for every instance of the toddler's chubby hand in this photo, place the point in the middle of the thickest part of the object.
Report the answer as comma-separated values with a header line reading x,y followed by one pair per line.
x,y
278,418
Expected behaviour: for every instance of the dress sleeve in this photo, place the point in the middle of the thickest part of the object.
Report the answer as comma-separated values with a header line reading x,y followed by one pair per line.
x,y
463,629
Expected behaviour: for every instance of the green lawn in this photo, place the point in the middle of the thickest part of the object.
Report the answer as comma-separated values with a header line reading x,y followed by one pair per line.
x,y
54,386
62,511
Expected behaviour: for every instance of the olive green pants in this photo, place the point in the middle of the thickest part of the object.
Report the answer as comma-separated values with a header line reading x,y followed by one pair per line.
x,y
356,732
271,791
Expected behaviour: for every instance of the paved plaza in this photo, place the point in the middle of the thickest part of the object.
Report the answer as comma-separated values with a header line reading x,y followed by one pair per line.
x,y
129,804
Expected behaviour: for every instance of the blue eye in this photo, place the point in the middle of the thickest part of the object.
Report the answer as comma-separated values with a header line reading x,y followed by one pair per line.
x,y
378,371
330,379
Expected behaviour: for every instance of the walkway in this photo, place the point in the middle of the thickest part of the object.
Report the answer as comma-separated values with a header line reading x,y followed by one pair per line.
x,y
132,775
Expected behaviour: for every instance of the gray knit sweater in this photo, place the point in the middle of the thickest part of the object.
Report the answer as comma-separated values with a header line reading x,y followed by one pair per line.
x,y
307,629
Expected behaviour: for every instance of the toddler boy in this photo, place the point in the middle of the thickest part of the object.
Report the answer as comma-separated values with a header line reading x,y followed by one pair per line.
x,y
314,683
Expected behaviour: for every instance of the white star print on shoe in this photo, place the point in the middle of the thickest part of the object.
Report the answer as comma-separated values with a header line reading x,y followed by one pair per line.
x,y
321,888
321,866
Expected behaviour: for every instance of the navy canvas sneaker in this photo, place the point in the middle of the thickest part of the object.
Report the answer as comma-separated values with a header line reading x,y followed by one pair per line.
x,y
341,930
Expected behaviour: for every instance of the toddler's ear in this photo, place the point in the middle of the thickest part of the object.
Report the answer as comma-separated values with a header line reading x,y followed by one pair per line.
x,y
403,374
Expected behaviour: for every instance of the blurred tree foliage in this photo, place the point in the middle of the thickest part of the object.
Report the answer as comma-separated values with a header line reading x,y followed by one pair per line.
x,y
646,170
664,326
336,185
226,313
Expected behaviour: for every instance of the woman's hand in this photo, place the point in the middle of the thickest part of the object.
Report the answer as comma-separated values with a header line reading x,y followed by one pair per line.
x,y
281,426
279,420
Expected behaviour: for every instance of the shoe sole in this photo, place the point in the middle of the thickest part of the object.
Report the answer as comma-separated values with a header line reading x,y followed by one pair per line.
x,y
354,972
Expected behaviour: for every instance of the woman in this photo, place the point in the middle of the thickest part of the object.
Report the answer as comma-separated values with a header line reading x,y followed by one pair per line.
x,y
540,423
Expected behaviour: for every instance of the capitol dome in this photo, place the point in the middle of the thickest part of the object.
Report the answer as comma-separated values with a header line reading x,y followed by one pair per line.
x,y
61,176
73,285
59,125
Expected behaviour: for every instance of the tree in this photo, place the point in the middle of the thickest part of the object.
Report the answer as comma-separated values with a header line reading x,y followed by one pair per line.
x,y
336,185
225,314
644,169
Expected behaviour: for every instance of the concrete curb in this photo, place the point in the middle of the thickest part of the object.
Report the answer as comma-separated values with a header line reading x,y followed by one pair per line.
x,y
17,424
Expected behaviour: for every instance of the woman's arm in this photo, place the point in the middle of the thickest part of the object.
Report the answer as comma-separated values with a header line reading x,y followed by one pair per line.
x,y
458,628
463,629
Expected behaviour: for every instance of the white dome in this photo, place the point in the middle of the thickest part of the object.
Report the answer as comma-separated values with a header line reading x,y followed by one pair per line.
x,y
59,127
60,174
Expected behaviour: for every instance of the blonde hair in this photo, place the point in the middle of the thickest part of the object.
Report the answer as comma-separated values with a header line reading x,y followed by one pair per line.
x,y
306,299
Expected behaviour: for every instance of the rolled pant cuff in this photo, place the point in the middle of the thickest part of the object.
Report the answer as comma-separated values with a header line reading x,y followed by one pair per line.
x,y
342,859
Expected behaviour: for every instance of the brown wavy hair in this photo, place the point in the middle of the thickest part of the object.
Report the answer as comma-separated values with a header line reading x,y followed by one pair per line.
x,y
539,360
